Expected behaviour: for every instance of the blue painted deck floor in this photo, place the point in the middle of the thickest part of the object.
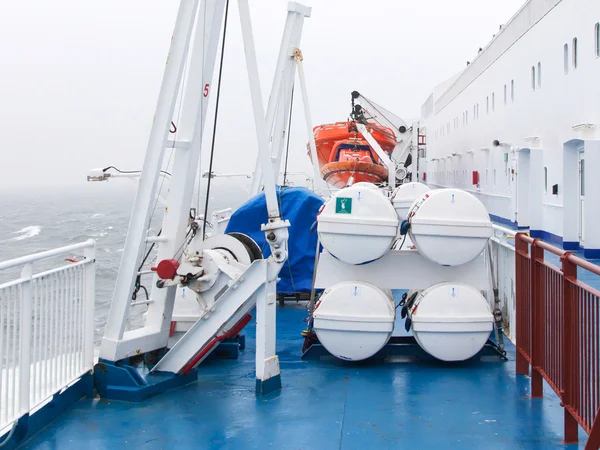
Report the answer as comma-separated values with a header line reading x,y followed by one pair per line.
x,y
323,405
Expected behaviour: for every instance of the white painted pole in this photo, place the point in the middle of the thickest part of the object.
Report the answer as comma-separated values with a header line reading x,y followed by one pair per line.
x,y
414,149
89,303
142,208
25,340
382,155
186,161
309,127
281,90
274,97
259,115
281,121
265,331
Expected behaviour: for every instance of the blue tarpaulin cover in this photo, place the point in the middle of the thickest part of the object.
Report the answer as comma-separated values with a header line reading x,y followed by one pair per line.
x,y
298,205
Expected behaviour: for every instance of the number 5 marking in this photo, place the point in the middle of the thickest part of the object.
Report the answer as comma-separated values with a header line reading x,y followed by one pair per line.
x,y
206,89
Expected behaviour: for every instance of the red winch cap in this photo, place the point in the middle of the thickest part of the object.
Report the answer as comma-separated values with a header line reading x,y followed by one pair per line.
x,y
167,269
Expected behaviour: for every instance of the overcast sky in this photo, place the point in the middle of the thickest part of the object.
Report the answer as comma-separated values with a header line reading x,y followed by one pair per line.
x,y
79,80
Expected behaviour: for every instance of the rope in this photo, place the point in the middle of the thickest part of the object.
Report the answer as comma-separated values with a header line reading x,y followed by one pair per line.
x,y
130,171
212,149
201,124
10,434
287,151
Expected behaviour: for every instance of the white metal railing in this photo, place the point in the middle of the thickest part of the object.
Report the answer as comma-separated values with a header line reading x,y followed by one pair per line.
x,y
46,329
503,265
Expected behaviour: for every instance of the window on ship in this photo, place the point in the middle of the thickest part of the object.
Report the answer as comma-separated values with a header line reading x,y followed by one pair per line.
x,y
597,39
533,78
505,94
574,53
493,102
512,90
545,180
566,58
539,75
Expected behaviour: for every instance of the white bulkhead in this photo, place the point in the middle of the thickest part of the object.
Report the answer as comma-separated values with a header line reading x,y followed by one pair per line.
x,y
354,320
451,321
449,226
358,224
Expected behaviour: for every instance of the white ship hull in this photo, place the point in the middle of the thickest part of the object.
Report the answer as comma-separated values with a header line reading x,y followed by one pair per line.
x,y
535,89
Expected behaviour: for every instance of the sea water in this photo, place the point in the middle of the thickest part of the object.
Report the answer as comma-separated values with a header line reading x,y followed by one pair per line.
x,y
38,219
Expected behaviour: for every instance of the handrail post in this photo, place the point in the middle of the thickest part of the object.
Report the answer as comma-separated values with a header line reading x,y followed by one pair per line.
x,y
25,339
89,303
593,441
537,320
570,350
521,249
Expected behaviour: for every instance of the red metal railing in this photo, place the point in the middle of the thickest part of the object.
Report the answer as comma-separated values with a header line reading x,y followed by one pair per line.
x,y
558,334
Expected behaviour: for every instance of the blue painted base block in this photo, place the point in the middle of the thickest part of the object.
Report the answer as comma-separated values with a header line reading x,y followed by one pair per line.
x,y
229,348
131,380
29,425
420,405
134,383
264,387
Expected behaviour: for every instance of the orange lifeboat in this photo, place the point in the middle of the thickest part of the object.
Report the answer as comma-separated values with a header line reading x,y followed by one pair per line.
x,y
342,152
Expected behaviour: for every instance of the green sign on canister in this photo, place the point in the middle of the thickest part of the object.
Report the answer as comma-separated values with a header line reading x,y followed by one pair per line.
x,y
343,205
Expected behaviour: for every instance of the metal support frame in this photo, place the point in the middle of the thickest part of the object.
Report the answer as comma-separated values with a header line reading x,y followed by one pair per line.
x,y
403,346
206,18
414,152
116,344
276,231
417,271
402,146
380,117
278,109
318,181
382,155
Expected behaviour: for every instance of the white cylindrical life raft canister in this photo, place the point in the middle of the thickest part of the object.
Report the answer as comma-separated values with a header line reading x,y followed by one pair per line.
x,y
449,226
354,320
357,225
451,321
405,195
365,184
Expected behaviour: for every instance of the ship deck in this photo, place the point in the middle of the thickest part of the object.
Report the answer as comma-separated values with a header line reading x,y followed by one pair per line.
x,y
324,405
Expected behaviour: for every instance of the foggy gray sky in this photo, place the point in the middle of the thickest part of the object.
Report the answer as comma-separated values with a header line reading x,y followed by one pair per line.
x,y
80,79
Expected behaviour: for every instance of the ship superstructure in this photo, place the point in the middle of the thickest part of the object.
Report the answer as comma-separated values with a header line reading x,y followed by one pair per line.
x,y
519,126
427,325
